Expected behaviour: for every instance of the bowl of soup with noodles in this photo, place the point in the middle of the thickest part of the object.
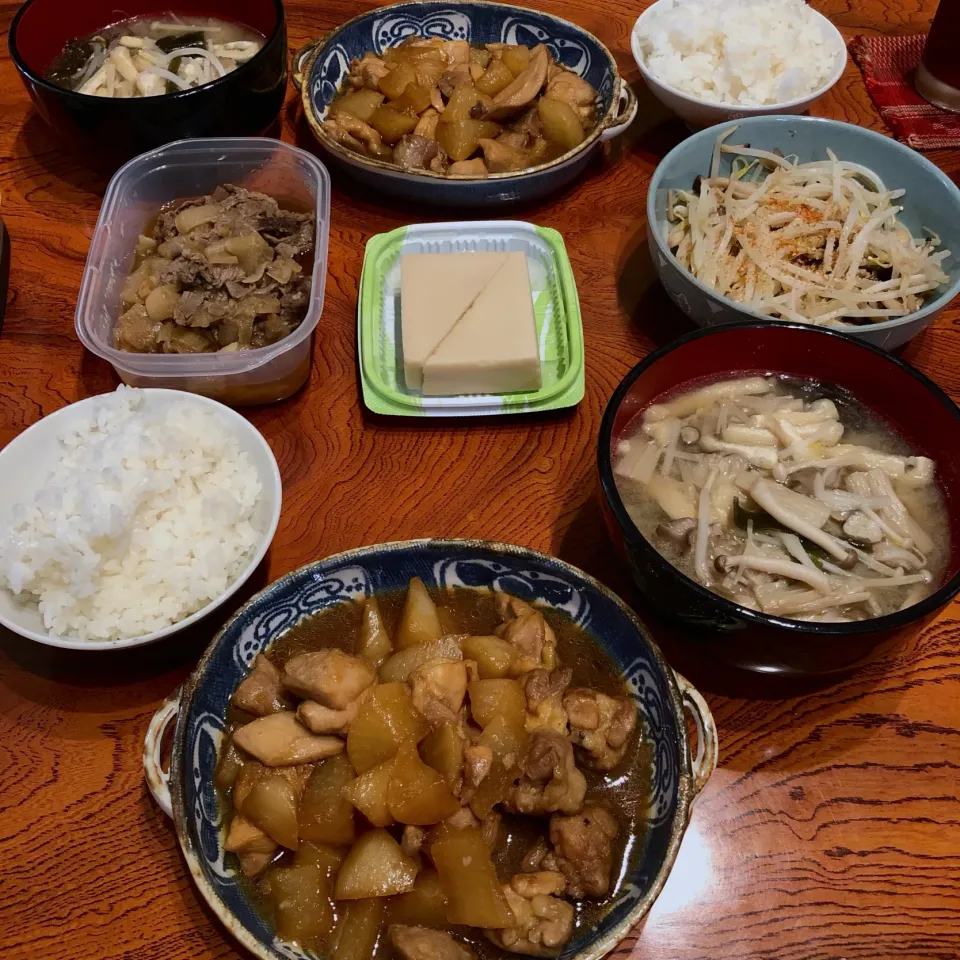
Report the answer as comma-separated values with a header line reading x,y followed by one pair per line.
x,y
783,494
116,82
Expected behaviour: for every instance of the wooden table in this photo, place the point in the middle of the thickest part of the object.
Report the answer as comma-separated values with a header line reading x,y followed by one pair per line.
x,y
831,829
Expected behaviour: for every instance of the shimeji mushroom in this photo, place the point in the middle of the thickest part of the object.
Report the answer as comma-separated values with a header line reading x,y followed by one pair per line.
x,y
830,533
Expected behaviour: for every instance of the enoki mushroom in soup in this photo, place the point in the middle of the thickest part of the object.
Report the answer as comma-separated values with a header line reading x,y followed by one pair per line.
x,y
787,500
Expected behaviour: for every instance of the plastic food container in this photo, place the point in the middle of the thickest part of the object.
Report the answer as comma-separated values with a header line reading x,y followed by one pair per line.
x,y
556,309
191,168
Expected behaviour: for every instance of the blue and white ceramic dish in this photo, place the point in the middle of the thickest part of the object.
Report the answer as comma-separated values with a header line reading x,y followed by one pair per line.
x,y
320,66
932,202
201,705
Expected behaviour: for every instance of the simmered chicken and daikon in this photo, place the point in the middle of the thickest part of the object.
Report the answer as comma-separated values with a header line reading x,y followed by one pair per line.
x,y
447,107
433,778
151,56
786,500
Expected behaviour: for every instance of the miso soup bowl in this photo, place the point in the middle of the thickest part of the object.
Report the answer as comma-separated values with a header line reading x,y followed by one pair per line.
x,y
199,707
108,132
913,406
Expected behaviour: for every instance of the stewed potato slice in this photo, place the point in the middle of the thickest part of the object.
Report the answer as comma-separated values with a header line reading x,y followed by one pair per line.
x,y
493,789
328,858
506,738
425,905
272,806
386,719
368,793
392,124
561,125
419,622
375,646
469,881
324,815
416,793
356,932
443,750
395,82
229,765
493,655
301,903
516,58
497,698
494,78
464,98
415,99
462,137
399,667
375,867
357,103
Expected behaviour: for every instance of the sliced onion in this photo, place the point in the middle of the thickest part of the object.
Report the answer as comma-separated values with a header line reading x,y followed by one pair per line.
x,y
197,52
167,75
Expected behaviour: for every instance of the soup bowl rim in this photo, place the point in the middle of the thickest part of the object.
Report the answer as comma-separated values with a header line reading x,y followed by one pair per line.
x,y
168,789
637,541
180,96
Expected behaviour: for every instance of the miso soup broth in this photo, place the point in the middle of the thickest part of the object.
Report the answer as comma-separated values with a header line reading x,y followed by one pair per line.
x,y
787,497
152,56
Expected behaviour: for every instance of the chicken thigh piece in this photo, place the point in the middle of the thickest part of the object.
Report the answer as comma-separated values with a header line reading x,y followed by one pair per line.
x,y
544,921
583,846
280,740
261,692
330,677
551,781
424,943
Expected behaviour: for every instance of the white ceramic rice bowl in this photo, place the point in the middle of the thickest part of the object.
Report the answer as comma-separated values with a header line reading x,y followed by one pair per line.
x,y
705,113
26,461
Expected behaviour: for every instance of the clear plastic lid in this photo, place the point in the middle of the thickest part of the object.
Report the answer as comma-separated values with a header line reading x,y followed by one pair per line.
x,y
191,168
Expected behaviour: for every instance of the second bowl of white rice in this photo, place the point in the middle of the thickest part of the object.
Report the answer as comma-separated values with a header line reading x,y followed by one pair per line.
x,y
127,517
711,61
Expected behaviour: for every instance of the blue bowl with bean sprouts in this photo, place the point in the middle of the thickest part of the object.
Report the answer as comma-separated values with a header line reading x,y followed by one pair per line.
x,y
807,220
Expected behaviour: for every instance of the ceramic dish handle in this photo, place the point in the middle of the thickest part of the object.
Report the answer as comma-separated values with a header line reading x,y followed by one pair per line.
x,y
705,762
158,779
301,56
626,112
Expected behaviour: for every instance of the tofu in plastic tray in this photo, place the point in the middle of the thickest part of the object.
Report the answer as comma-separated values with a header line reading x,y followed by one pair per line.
x,y
555,306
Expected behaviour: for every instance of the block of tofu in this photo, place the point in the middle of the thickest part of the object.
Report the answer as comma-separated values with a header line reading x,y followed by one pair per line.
x,y
493,347
436,289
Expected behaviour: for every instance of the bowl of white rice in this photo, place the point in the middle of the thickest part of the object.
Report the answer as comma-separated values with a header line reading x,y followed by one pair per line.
x,y
711,61
127,517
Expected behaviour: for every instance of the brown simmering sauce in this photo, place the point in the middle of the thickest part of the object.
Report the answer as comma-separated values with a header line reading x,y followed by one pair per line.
x,y
623,791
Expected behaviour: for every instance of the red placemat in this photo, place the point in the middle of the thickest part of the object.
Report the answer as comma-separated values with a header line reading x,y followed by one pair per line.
x,y
888,64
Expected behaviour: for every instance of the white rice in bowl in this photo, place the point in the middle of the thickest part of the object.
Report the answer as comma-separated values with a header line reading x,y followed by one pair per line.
x,y
740,52
145,519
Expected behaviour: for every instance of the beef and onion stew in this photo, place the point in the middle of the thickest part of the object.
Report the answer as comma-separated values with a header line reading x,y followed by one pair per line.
x,y
226,271
443,777
447,107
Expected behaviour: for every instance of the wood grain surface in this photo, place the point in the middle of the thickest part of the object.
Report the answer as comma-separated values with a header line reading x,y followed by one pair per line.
x,y
831,829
